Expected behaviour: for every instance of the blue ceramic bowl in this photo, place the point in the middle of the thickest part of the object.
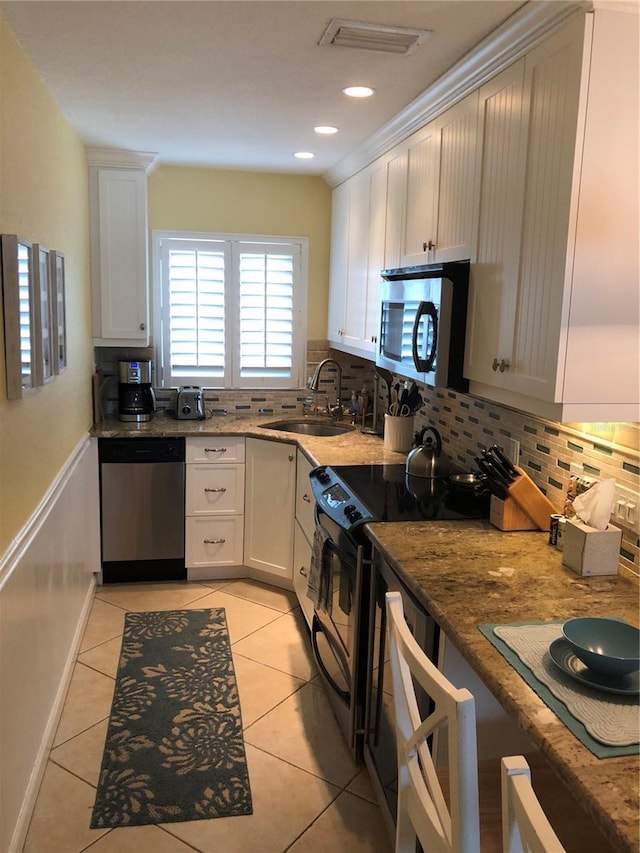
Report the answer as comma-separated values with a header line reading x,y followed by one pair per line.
x,y
604,645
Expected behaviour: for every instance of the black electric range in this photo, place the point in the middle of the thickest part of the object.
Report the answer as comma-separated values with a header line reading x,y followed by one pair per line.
x,y
354,495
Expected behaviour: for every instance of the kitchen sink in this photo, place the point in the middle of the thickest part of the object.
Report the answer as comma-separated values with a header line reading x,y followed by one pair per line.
x,y
323,428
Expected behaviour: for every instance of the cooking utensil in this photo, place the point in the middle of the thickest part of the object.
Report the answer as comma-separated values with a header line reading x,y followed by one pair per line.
x,y
387,375
468,483
497,463
414,399
504,459
427,459
496,486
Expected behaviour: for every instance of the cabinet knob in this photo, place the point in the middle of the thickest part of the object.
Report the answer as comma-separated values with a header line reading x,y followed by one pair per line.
x,y
222,489
306,499
303,572
291,457
501,365
214,541
142,327
427,247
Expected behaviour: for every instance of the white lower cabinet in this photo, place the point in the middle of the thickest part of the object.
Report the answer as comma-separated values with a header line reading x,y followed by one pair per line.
x,y
301,563
214,508
270,511
212,543
303,536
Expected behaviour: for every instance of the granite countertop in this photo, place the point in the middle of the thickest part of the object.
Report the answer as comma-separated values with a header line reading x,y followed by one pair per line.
x,y
350,448
457,571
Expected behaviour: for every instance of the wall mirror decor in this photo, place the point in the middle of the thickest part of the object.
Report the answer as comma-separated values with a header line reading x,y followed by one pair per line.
x,y
19,298
59,318
43,316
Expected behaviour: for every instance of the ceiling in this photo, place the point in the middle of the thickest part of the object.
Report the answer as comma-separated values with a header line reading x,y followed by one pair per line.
x,y
237,84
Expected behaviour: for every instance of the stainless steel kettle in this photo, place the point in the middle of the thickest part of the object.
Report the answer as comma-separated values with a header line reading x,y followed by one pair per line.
x,y
427,459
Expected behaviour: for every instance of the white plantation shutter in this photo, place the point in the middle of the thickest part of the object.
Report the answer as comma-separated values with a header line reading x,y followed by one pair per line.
x,y
266,280
195,281
231,312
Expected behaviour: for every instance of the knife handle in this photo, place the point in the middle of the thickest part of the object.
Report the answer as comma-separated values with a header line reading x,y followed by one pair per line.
x,y
508,464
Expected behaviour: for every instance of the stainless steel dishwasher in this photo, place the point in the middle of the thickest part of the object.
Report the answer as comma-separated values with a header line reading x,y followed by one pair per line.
x,y
142,509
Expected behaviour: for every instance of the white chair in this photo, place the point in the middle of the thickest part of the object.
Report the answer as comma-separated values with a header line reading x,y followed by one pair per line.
x,y
422,809
524,824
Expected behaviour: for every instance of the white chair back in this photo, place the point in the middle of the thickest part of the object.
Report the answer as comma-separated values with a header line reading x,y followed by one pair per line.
x,y
422,808
525,828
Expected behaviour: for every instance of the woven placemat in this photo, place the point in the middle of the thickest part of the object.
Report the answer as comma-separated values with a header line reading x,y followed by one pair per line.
x,y
607,724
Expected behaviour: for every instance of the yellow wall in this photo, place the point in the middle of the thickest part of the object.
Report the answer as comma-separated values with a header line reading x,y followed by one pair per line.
x,y
189,199
43,198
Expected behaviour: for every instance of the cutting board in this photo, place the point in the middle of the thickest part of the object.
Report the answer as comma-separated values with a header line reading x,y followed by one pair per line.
x,y
531,500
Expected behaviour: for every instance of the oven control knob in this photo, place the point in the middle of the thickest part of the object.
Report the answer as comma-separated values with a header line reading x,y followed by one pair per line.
x,y
352,513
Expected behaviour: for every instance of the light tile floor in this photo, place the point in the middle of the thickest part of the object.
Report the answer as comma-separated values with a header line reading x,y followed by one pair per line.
x,y
307,793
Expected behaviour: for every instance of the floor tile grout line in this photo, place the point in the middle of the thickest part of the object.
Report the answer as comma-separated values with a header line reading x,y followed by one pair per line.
x,y
236,654
315,820
297,767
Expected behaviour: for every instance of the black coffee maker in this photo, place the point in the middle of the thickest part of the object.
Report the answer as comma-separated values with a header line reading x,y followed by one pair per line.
x,y
136,400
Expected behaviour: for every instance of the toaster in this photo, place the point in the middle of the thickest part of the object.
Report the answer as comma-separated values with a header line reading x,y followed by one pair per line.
x,y
189,404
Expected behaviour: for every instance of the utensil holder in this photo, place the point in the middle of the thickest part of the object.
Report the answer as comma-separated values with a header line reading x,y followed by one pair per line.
x,y
398,432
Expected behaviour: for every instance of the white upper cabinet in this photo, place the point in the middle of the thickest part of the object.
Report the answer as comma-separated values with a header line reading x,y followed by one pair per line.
x,y
119,240
396,168
553,320
496,255
441,186
357,256
339,262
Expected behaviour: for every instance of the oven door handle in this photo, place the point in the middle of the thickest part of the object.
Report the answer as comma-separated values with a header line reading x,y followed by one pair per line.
x,y
315,627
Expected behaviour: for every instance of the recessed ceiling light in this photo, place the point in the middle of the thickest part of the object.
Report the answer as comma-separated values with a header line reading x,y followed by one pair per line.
x,y
304,155
358,91
325,129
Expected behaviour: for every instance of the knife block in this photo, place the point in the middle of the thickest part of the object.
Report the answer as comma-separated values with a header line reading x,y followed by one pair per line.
x,y
531,500
507,515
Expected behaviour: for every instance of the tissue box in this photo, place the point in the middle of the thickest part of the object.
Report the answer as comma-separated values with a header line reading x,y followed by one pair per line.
x,y
589,551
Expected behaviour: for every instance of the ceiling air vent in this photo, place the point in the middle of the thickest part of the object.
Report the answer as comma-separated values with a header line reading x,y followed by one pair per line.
x,y
385,39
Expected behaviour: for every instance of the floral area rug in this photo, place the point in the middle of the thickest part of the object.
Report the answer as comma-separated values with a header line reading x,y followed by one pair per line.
x,y
174,749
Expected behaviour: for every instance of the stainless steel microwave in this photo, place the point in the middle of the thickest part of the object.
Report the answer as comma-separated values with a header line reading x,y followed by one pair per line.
x,y
423,322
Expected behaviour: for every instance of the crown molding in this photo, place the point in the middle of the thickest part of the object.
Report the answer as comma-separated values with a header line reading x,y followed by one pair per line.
x,y
117,158
523,30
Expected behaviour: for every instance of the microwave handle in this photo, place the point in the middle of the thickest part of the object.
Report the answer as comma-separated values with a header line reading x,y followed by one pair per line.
x,y
425,365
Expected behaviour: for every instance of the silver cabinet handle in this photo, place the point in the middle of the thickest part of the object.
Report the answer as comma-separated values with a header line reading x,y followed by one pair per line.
x,y
221,489
501,365
142,327
214,541
306,498
428,246
302,572
215,450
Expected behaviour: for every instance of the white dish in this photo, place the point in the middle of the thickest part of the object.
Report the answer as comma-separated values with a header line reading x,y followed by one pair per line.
x,y
563,657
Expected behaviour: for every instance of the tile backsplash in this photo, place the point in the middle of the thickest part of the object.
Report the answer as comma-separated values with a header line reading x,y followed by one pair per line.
x,y
467,425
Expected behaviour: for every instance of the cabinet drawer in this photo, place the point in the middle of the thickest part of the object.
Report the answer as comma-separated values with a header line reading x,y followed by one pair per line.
x,y
214,541
214,489
215,449
305,502
301,563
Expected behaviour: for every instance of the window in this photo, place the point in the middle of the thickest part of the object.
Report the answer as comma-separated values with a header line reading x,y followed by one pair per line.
x,y
230,310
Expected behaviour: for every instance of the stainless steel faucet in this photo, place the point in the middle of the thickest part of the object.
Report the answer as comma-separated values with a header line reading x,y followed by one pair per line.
x,y
336,410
